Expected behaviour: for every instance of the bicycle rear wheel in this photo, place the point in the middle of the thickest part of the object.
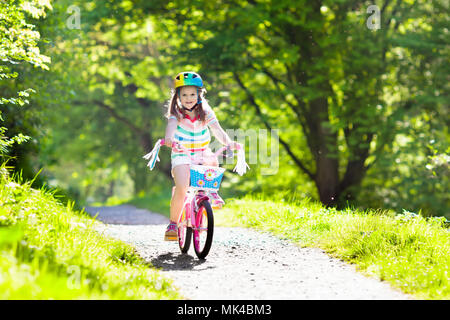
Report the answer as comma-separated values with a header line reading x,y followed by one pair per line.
x,y
203,232
184,232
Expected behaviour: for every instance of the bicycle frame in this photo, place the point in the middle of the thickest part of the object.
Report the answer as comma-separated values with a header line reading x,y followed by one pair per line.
x,y
192,204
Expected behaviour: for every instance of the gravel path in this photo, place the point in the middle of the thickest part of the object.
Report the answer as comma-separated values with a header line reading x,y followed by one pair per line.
x,y
242,263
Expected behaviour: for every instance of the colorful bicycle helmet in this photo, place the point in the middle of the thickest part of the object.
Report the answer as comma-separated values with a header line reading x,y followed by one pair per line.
x,y
188,78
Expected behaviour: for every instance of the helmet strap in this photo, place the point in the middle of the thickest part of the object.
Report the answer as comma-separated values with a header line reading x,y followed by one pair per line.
x,y
190,108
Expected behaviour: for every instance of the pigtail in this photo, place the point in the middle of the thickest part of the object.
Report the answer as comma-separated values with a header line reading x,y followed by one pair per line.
x,y
172,106
202,106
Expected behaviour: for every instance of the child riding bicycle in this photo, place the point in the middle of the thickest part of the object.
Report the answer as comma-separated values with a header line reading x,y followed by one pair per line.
x,y
189,119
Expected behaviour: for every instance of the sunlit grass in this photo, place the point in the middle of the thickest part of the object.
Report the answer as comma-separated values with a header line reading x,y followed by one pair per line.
x,y
50,251
407,250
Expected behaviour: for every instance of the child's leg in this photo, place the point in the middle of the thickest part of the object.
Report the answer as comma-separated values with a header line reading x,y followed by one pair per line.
x,y
181,176
213,162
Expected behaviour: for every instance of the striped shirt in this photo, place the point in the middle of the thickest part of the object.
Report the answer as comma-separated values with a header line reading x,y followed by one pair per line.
x,y
193,134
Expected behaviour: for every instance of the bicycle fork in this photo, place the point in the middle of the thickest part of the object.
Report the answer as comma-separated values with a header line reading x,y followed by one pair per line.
x,y
196,215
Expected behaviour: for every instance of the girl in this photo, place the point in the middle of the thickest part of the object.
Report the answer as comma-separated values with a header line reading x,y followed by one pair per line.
x,y
189,117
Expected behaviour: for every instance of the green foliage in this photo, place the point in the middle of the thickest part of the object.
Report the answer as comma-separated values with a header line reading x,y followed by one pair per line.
x,y
344,98
408,250
19,45
50,251
334,88
112,111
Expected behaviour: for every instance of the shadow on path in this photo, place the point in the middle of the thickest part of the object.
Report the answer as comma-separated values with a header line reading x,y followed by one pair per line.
x,y
178,261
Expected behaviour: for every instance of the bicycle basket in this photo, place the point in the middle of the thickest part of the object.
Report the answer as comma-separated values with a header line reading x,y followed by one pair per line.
x,y
206,177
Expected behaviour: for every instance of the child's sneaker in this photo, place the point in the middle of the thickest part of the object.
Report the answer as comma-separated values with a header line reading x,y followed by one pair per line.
x,y
171,232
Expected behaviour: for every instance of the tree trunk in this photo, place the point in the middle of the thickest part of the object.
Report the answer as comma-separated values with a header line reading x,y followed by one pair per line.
x,y
353,177
322,140
327,180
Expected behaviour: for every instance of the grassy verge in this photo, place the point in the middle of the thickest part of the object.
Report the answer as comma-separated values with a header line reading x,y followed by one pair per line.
x,y
50,251
407,250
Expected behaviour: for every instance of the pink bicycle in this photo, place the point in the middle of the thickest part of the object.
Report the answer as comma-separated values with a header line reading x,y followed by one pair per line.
x,y
197,219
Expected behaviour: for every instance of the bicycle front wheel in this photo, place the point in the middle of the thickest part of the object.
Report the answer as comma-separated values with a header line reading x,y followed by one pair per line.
x,y
184,232
204,229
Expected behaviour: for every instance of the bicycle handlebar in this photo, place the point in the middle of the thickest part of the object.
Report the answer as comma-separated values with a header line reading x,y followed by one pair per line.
x,y
241,166
217,153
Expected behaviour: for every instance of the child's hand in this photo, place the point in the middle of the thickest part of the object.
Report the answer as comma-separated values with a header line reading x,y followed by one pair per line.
x,y
235,145
168,142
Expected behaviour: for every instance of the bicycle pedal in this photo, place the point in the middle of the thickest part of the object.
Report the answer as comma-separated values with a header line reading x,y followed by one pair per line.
x,y
216,198
217,206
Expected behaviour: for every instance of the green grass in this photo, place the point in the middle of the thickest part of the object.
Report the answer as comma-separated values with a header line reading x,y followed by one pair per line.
x,y
407,250
50,251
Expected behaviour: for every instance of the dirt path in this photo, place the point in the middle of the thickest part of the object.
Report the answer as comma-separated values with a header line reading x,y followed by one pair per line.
x,y
242,264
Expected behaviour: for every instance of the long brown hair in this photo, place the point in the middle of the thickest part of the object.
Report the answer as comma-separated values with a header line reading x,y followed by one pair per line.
x,y
174,109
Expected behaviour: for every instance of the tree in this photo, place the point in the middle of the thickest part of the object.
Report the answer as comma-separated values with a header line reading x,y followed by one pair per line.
x,y
320,64
19,44
112,84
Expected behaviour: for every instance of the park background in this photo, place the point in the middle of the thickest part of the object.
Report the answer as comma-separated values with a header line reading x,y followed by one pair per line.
x,y
357,92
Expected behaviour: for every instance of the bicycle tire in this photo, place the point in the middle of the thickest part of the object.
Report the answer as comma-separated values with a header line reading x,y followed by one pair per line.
x,y
202,249
184,233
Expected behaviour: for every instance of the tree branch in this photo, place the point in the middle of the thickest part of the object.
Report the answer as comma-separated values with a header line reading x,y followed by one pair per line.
x,y
144,136
295,108
252,100
118,117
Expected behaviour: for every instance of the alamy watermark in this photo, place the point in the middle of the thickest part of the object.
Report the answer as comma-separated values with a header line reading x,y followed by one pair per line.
x,y
261,148
374,20
74,279
74,20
